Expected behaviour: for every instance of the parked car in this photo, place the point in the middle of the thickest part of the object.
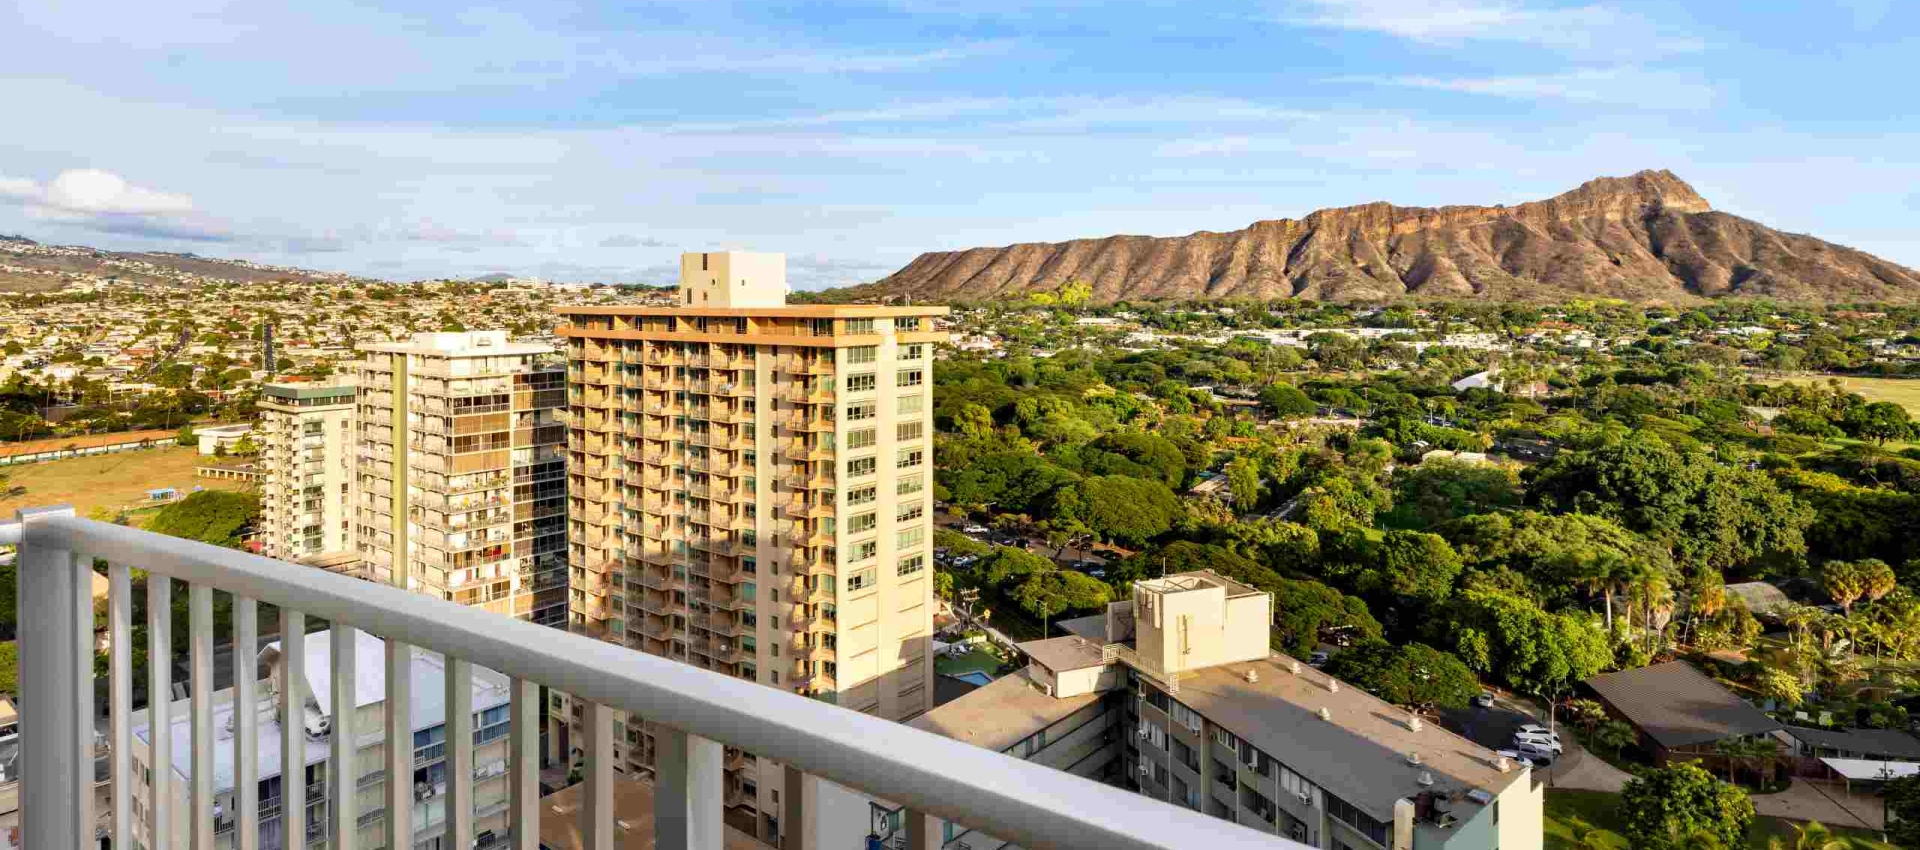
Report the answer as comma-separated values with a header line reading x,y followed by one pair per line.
x,y
1536,729
1484,700
1516,757
974,529
1536,753
1521,742
1318,659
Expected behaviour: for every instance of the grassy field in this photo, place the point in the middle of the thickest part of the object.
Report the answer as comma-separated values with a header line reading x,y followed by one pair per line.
x,y
1905,392
1601,809
115,482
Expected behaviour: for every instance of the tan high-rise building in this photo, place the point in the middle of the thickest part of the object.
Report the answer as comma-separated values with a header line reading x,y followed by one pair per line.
x,y
306,447
751,492
460,477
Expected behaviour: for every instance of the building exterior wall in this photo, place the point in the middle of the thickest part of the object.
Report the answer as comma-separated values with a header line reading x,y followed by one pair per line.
x,y
725,466
306,438
490,791
460,473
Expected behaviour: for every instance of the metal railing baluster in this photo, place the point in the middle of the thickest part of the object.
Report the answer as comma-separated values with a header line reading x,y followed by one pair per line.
x,y
459,743
596,816
200,714
399,717
523,763
160,705
120,699
293,733
342,809
246,727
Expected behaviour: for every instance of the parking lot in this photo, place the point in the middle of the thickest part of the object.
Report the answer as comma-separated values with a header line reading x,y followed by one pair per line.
x,y
1492,728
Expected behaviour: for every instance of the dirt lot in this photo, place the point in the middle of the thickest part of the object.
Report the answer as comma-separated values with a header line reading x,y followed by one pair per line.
x,y
115,481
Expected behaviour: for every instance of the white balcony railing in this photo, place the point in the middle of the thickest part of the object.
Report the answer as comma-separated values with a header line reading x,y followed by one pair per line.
x,y
695,713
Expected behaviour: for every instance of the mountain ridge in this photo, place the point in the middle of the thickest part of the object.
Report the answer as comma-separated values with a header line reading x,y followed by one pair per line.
x,y
1648,236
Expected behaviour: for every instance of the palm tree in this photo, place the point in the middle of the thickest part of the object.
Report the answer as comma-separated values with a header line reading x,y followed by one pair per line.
x,y
1650,591
1814,836
1681,838
1615,735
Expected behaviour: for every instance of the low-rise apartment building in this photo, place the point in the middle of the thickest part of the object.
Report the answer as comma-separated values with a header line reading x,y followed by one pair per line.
x,y
1176,695
491,698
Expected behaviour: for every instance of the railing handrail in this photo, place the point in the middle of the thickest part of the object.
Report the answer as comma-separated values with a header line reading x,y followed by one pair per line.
x,y
1029,804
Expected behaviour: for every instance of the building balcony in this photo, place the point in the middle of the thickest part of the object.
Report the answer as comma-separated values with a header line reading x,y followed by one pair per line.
x,y
806,482
807,423
807,366
805,450
924,771
803,509
802,394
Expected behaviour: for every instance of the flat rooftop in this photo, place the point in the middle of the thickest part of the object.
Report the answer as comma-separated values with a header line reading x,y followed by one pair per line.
x,y
1001,714
1198,580
805,311
465,344
1359,753
428,706
1065,653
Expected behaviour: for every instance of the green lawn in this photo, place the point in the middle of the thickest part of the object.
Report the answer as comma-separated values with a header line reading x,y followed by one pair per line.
x,y
1601,810
979,659
1902,391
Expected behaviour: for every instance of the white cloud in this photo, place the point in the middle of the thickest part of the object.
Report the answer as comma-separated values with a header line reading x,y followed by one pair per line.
x,y
105,202
1592,27
1620,86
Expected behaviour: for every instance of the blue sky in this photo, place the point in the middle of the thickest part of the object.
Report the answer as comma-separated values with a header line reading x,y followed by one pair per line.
x,y
591,142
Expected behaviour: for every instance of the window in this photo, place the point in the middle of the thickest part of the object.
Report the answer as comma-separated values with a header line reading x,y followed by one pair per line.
x,y
910,537
862,522
908,378
907,323
909,485
856,412
862,353
1185,755
911,564
910,458
860,580
911,404
859,326
861,439
1152,734
911,512
861,466
865,550
1225,739
913,352
1186,716
860,383
906,431
1358,819
860,495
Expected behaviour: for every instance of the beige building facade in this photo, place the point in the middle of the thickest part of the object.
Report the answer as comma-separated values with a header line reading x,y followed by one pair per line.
x,y
306,451
459,472
751,492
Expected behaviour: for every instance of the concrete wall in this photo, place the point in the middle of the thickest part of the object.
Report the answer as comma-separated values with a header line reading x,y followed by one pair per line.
x,y
733,279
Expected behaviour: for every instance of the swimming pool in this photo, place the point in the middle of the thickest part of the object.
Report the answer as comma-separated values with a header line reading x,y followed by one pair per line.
x,y
976,677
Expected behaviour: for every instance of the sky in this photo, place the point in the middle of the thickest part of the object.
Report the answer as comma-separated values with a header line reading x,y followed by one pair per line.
x,y
587,142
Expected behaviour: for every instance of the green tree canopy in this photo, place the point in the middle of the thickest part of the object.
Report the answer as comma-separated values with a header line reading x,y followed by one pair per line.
x,y
1681,800
1410,674
219,517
